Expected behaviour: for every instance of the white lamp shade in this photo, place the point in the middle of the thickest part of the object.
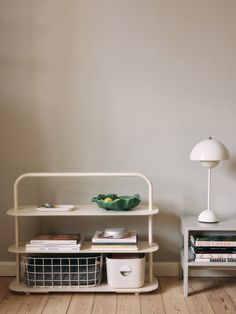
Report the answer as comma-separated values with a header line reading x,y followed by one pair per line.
x,y
209,150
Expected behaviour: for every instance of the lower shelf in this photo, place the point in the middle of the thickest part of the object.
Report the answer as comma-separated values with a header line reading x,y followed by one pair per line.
x,y
103,287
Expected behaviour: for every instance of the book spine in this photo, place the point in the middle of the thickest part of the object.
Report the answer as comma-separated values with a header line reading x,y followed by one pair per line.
x,y
207,249
49,249
213,250
115,246
114,243
216,243
69,246
53,241
216,260
115,249
212,243
204,256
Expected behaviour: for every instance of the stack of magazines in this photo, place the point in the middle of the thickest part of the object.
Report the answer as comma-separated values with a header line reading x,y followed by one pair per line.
x,y
213,248
55,243
129,242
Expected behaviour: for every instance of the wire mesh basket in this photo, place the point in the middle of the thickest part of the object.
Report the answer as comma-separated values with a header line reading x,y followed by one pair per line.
x,y
62,270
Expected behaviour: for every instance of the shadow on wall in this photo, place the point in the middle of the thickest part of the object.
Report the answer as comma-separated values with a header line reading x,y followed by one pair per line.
x,y
20,152
231,167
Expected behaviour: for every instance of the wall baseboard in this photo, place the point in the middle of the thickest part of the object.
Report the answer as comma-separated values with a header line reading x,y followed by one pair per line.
x,y
7,268
169,269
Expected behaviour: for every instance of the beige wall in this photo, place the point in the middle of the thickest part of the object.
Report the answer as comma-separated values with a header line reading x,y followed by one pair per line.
x,y
128,85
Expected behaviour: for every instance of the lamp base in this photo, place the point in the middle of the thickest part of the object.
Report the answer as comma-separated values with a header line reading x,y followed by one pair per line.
x,y
208,216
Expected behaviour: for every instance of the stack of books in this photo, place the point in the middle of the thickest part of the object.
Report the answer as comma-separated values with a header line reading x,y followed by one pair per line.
x,y
129,243
213,248
55,243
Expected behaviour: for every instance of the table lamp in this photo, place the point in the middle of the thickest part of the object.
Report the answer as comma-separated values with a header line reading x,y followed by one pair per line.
x,y
209,152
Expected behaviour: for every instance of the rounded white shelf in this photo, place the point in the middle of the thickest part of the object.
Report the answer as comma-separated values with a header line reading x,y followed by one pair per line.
x,y
103,287
143,247
83,210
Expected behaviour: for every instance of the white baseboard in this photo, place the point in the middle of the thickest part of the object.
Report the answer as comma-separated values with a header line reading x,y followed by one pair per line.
x,y
166,268
7,268
169,269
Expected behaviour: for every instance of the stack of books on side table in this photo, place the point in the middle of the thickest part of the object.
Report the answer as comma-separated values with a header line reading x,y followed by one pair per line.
x,y
213,248
129,242
55,243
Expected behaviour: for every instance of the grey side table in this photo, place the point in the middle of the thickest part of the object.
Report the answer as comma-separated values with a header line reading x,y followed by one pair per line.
x,y
190,225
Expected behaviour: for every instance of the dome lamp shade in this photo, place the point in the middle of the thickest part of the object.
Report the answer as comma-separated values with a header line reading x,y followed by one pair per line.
x,y
209,150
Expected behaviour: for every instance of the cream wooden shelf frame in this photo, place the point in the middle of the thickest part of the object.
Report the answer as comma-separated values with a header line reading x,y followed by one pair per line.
x,y
84,210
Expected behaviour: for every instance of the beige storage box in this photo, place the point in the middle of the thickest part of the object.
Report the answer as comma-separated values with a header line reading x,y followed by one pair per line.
x,y
126,270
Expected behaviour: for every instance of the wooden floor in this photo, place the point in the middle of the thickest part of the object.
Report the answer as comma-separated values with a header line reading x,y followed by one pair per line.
x,y
207,295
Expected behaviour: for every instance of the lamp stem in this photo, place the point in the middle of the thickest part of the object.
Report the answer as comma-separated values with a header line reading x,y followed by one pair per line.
x,y
209,190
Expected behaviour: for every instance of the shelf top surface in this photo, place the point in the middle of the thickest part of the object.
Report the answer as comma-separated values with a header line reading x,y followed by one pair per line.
x,y
224,224
143,247
83,210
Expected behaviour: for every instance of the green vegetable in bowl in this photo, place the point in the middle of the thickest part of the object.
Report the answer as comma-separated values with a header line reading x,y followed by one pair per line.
x,y
115,202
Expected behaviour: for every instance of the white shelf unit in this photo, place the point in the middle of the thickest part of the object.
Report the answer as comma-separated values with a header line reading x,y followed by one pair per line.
x,y
190,225
148,247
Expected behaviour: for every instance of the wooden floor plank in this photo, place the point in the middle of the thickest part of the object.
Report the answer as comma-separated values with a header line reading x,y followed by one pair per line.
x,y
57,303
217,296
104,303
229,285
4,284
12,303
172,295
34,304
128,304
152,303
207,295
81,303
197,301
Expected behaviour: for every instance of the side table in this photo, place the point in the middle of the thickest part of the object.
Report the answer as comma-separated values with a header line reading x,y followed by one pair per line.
x,y
190,225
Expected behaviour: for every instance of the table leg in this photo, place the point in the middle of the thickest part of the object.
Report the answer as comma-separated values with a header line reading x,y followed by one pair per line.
x,y
185,263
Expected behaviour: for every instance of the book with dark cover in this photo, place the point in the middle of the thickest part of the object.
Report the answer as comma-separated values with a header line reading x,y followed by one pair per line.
x,y
211,255
212,249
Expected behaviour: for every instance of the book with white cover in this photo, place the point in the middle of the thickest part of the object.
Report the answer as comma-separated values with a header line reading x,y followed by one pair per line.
x,y
55,239
114,248
215,260
131,238
53,247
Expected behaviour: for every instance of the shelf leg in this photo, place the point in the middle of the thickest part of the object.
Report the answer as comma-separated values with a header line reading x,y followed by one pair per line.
x,y
150,267
185,262
17,241
18,267
185,281
150,244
